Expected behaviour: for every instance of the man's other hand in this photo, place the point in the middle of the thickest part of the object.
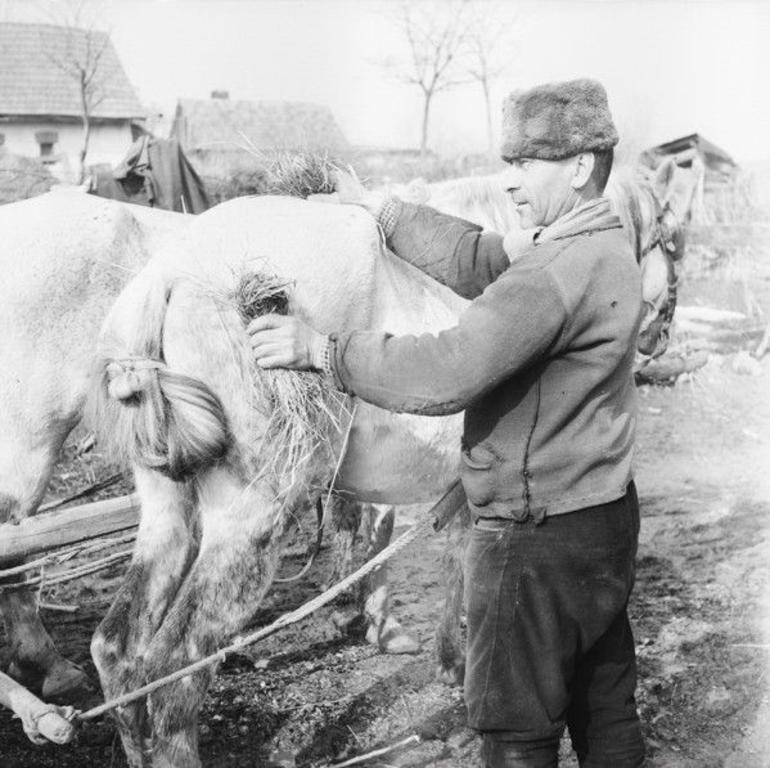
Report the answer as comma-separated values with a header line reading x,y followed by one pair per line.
x,y
283,341
350,190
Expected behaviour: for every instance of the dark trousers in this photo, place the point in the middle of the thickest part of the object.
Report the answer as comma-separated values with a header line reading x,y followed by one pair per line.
x,y
549,643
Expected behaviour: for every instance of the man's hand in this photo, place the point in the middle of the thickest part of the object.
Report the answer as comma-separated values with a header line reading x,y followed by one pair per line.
x,y
283,341
350,190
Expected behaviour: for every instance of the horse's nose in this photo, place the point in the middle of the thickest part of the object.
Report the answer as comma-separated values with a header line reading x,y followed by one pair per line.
x,y
8,505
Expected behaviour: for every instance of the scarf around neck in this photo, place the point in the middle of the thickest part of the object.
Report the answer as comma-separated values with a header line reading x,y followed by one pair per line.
x,y
593,216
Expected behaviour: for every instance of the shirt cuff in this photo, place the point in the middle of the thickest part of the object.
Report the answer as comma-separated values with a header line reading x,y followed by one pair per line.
x,y
323,359
388,214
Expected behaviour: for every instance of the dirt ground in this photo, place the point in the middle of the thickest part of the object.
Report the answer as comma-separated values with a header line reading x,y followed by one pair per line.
x,y
700,610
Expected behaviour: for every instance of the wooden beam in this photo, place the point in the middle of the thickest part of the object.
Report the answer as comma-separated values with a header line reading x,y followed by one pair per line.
x,y
36,716
67,526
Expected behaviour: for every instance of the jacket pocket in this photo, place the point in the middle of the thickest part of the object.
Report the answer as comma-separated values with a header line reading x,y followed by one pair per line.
x,y
479,475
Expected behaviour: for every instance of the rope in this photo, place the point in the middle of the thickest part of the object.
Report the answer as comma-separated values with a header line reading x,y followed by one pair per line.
x,y
325,509
418,529
67,554
100,486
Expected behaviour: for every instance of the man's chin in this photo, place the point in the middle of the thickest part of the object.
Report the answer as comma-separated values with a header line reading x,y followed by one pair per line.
x,y
525,216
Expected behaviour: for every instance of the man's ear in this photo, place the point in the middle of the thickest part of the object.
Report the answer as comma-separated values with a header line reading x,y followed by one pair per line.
x,y
584,168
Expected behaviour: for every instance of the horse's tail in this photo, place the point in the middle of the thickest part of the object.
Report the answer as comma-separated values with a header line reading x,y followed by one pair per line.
x,y
146,413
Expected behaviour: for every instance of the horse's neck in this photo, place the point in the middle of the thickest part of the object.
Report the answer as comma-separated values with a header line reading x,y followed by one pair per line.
x,y
480,199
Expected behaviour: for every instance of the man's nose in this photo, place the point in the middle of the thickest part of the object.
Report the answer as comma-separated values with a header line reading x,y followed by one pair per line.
x,y
511,179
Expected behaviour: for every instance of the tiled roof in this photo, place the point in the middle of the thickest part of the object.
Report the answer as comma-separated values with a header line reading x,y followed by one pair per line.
x,y
34,81
262,125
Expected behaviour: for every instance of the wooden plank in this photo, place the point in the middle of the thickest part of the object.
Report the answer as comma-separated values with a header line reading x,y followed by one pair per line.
x,y
67,526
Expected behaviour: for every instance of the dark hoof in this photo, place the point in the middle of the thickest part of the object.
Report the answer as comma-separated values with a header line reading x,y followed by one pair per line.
x,y
452,675
349,625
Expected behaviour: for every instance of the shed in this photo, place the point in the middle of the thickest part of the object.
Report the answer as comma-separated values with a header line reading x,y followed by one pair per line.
x,y
718,163
223,135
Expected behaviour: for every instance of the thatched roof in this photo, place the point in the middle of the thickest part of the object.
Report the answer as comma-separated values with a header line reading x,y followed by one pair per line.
x,y
37,77
222,124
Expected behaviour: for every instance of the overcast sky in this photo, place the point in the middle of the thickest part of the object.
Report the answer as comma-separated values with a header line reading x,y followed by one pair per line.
x,y
671,67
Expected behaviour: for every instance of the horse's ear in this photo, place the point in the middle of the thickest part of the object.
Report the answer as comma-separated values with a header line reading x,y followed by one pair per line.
x,y
664,175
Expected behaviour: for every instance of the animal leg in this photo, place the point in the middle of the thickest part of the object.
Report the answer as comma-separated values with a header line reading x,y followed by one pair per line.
x,y
238,556
346,520
382,628
35,661
449,642
163,549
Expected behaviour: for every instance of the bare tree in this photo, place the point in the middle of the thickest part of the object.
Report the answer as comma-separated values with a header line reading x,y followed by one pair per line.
x,y
82,59
486,57
436,36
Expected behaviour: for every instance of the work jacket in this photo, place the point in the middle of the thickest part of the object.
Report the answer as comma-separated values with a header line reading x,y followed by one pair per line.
x,y
540,361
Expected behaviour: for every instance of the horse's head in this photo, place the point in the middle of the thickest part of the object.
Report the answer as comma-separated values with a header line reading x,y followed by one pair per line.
x,y
654,207
677,189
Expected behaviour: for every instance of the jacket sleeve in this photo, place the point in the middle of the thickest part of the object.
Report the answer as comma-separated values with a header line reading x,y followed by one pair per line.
x,y
517,320
449,249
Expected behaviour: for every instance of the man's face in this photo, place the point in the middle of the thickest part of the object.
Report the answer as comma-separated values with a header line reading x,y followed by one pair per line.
x,y
541,189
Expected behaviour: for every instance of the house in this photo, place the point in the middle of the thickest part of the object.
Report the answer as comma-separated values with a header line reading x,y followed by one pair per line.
x,y
221,135
719,165
40,96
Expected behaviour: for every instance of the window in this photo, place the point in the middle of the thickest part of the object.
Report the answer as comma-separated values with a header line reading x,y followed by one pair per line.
x,y
47,140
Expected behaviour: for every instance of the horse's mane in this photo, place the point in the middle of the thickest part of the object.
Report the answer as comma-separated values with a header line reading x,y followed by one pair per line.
x,y
627,192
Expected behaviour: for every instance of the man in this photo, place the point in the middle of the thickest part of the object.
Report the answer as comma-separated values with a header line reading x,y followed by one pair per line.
x,y
540,362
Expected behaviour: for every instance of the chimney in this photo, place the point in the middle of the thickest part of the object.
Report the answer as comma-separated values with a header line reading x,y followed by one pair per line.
x,y
220,94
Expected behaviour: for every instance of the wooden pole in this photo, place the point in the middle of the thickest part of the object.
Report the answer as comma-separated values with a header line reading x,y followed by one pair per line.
x,y
38,715
68,526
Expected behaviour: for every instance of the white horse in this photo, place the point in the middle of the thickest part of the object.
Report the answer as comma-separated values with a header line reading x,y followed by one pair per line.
x,y
64,257
69,255
195,417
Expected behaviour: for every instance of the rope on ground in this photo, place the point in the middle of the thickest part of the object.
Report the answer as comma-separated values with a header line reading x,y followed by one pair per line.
x,y
409,740
100,486
424,526
57,558
44,579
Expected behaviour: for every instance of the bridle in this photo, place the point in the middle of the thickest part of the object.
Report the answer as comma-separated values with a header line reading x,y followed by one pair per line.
x,y
666,235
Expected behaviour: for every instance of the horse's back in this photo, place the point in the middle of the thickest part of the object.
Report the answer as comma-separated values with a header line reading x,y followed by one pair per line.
x,y
338,277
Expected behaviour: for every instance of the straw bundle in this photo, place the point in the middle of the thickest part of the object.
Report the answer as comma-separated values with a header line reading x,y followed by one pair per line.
x,y
303,408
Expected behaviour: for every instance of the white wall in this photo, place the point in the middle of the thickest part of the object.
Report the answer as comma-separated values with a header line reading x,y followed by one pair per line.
x,y
108,143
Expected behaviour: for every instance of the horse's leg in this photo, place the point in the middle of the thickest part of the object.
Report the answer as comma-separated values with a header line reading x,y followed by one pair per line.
x,y
35,662
345,522
163,550
239,552
449,643
382,628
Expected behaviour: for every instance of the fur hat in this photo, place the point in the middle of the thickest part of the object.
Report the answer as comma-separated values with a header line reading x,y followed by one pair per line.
x,y
557,120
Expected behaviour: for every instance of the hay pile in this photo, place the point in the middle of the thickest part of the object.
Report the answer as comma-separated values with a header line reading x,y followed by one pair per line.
x,y
297,174
303,408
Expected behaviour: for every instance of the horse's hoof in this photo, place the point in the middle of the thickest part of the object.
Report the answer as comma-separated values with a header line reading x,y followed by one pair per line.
x,y
349,625
453,675
391,638
64,679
